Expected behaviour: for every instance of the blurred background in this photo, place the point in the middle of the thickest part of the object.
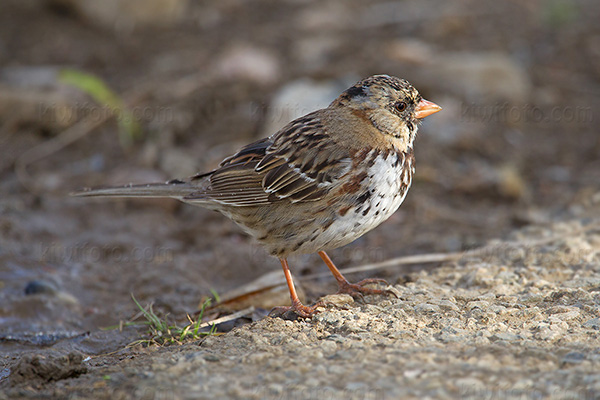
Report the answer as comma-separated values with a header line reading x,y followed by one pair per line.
x,y
118,91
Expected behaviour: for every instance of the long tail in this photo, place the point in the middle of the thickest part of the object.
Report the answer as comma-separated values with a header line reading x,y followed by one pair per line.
x,y
175,189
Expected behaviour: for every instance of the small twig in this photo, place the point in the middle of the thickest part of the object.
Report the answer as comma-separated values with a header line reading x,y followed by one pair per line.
x,y
227,318
444,257
394,262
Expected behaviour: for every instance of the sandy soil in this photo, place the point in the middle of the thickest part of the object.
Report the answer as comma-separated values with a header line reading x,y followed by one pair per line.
x,y
511,166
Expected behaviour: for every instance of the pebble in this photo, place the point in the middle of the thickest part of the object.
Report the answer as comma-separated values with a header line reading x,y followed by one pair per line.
x,y
506,336
249,63
36,95
427,308
338,300
40,287
593,323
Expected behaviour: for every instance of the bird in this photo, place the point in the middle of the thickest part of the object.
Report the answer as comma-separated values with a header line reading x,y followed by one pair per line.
x,y
319,183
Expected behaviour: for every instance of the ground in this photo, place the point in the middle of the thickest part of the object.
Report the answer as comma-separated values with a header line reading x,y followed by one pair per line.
x,y
506,187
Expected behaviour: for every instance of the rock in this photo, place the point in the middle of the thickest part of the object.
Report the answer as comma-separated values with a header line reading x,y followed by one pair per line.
x,y
250,64
46,288
427,308
448,305
338,300
324,17
573,357
410,51
35,95
47,367
40,287
511,183
506,336
593,323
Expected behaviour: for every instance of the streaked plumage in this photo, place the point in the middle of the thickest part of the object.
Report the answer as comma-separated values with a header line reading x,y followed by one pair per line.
x,y
319,183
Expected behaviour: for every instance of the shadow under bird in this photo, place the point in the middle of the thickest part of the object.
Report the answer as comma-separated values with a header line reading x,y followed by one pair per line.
x,y
319,183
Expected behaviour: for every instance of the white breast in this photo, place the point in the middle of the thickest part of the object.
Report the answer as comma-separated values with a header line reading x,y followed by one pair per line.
x,y
388,182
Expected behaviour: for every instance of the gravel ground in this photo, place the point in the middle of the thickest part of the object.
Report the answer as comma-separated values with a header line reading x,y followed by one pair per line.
x,y
511,165
520,319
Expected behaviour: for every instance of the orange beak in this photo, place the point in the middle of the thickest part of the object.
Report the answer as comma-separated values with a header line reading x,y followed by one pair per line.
x,y
425,108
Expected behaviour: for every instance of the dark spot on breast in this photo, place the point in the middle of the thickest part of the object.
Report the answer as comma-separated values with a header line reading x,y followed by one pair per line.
x,y
363,197
376,213
343,210
364,213
353,185
298,245
371,161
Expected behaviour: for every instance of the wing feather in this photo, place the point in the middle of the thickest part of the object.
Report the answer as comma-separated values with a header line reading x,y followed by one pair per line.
x,y
299,163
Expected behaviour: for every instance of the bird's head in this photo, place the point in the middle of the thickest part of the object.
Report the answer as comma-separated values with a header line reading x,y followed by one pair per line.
x,y
392,105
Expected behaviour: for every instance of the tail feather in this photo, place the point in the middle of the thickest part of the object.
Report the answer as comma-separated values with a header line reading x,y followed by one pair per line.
x,y
175,189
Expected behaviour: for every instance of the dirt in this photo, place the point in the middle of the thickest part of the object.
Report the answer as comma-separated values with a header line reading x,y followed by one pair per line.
x,y
517,176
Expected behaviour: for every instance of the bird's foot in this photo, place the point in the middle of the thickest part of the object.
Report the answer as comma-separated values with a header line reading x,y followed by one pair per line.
x,y
358,290
297,309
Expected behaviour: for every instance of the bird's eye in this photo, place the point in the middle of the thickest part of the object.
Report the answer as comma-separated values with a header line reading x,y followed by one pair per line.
x,y
400,106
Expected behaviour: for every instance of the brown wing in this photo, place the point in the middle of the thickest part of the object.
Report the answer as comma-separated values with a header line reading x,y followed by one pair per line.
x,y
299,163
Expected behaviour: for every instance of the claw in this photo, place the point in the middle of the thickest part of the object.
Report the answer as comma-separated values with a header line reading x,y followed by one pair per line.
x,y
355,290
296,310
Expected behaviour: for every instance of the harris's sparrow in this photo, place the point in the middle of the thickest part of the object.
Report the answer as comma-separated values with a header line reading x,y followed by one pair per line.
x,y
319,183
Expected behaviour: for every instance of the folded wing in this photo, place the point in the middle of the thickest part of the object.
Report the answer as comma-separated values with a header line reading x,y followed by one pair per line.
x,y
296,164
